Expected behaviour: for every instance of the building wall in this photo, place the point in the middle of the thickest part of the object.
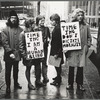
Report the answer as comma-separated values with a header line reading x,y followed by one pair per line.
x,y
90,7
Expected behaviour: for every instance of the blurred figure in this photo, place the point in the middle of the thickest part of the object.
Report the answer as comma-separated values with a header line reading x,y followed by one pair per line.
x,y
10,41
56,46
29,27
98,52
40,20
77,58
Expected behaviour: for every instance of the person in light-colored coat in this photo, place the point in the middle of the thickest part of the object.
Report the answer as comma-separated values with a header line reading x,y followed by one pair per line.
x,y
77,58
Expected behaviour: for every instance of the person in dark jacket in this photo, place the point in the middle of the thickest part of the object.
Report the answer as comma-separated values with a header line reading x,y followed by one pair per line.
x,y
98,52
10,42
29,27
40,20
56,46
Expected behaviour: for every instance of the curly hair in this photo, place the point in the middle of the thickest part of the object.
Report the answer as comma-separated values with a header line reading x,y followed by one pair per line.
x,y
75,13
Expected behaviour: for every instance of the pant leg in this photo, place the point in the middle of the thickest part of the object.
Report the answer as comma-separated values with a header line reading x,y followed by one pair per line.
x,y
8,66
79,76
44,64
71,75
38,71
15,72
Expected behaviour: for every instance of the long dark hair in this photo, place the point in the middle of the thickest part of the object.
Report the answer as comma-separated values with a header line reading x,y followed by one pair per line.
x,y
9,23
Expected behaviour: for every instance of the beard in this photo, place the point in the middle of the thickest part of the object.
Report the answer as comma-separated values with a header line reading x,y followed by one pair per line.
x,y
14,24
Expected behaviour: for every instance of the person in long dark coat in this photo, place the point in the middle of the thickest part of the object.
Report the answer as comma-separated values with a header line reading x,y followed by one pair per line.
x,y
98,52
56,46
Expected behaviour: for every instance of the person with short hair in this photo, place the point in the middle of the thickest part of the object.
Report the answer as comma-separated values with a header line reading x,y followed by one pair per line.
x,y
10,42
40,21
56,47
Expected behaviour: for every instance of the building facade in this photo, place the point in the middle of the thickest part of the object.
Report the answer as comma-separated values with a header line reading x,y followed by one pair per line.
x,y
92,9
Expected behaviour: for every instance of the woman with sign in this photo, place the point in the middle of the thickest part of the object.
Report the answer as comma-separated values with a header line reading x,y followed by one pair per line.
x,y
76,58
56,46
29,27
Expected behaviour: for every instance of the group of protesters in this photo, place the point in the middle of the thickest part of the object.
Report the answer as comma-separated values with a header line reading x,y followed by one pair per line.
x,y
14,44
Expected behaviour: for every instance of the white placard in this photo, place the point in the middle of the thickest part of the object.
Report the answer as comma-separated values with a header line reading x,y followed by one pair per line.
x,y
70,36
34,45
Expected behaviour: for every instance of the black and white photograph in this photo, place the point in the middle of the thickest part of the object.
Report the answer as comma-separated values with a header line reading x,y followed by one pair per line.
x,y
49,49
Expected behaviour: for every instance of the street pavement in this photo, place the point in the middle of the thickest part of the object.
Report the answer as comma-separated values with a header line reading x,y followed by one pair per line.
x,y
91,84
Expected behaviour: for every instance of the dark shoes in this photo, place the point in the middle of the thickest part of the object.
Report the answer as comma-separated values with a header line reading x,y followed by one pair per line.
x,y
39,84
45,81
54,78
17,86
69,87
80,87
57,81
31,87
8,91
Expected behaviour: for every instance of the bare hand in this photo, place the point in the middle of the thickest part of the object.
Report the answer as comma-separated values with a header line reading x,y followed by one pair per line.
x,y
12,56
55,56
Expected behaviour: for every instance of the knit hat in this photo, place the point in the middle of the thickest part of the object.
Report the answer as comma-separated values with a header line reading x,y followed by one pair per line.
x,y
55,17
13,13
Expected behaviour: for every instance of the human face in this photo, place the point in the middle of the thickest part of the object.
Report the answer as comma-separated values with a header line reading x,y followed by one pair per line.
x,y
41,22
13,19
53,22
80,16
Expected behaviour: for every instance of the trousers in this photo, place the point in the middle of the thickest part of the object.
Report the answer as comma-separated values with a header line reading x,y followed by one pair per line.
x,y
8,67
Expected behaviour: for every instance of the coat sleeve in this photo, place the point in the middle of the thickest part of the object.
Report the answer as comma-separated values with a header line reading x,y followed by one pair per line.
x,y
22,45
89,38
5,42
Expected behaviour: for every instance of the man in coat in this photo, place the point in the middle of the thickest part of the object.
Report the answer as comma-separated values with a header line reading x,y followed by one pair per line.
x,y
10,41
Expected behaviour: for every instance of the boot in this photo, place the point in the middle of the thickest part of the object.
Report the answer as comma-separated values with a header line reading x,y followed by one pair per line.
x,y
79,79
80,87
17,86
57,81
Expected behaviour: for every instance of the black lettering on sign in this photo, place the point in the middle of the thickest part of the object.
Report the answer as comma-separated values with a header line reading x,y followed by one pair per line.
x,y
28,44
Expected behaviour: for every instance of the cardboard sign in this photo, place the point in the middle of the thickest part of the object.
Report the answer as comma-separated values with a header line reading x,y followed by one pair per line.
x,y
70,36
34,45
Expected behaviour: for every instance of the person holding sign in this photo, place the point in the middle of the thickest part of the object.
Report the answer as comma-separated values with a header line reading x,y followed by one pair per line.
x,y
77,58
28,62
56,47
40,20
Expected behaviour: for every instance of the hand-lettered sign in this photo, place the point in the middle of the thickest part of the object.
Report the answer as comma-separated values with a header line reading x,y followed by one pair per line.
x,y
70,36
34,45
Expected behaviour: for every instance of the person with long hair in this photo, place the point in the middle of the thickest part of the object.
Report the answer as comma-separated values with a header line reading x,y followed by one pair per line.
x,y
76,58
56,47
10,42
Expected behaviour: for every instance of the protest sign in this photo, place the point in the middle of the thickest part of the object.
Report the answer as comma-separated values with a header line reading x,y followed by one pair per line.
x,y
70,36
34,45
